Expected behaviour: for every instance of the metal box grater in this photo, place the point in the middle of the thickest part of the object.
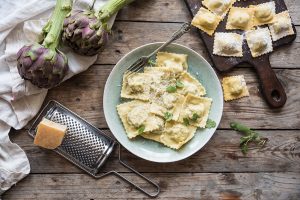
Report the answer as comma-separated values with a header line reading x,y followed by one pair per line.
x,y
84,145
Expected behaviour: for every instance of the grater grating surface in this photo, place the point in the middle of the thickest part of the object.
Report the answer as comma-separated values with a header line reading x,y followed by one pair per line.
x,y
85,145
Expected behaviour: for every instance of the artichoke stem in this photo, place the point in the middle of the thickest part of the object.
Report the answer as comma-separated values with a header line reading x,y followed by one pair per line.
x,y
62,9
111,8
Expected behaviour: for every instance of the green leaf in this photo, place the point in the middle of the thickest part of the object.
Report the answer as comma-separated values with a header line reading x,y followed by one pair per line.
x,y
210,124
151,62
239,127
168,116
250,136
244,149
186,121
141,129
195,117
171,89
179,84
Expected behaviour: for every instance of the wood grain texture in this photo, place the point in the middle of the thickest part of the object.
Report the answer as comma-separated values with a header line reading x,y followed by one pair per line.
x,y
223,186
84,96
130,35
176,11
221,154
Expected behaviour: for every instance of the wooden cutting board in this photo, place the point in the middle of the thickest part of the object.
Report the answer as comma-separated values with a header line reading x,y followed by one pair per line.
x,y
272,89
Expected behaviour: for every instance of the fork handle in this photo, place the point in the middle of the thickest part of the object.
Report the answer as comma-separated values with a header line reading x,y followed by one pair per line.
x,y
176,35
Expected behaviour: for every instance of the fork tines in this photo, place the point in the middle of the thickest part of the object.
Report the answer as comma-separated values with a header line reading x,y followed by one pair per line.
x,y
136,66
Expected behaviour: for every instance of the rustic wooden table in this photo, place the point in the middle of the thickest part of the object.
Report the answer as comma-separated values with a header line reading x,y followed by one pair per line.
x,y
219,170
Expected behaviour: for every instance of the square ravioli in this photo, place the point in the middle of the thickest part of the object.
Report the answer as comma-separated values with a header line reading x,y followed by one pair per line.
x,y
259,41
136,86
190,85
263,13
219,7
206,21
240,18
137,118
176,134
155,136
282,26
172,60
162,78
228,44
168,103
195,110
234,87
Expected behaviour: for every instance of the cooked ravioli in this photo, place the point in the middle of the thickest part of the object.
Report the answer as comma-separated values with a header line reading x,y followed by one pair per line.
x,y
161,77
234,87
159,96
219,7
259,41
172,102
195,110
190,85
264,13
206,21
228,44
172,60
240,18
176,134
136,86
136,114
155,136
282,26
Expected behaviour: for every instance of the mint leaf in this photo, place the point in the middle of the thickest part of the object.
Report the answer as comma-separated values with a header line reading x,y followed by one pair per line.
x,y
186,121
210,123
250,136
168,116
195,117
151,62
141,129
179,84
171,89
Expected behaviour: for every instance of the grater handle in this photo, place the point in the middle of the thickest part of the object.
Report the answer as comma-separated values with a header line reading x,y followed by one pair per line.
x,y
131,183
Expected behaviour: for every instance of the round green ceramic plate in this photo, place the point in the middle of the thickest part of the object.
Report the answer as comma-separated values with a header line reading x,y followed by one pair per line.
x,y
151,150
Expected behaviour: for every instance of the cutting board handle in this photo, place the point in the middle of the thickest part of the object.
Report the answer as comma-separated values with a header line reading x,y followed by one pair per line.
x,y
272,89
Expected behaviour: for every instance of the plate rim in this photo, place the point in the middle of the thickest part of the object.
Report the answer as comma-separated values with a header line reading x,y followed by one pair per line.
x,y
110,125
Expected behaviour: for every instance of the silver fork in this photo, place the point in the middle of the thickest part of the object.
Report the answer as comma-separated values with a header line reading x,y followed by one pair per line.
x,y
142,61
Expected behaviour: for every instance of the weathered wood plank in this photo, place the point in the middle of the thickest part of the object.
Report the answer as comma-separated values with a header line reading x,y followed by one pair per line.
x,y
221,154
129,35
223,186
176,11
157,10
84,96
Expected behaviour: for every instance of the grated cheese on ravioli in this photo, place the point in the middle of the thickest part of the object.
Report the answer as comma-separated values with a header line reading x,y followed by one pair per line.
x,y
259,41
206,21
228,44
234,87
282,26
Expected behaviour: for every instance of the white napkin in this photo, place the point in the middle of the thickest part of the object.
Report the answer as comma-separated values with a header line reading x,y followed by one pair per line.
x,y
19,99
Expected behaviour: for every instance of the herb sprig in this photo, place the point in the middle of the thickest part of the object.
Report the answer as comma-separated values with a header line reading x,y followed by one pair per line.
x,y
250,137
151,63
168,116
210,123
173,88
141,129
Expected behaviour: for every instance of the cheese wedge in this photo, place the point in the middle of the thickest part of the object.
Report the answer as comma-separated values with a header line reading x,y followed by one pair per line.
x,y
49,134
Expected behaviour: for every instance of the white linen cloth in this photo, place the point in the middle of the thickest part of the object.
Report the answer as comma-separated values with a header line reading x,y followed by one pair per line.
x,y
20,22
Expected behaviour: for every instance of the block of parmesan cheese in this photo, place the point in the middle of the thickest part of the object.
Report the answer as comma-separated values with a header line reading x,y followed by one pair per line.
x,y
49,134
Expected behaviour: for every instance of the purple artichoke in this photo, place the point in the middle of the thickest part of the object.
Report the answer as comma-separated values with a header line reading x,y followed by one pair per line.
x,y
42,64
86,32
83,34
